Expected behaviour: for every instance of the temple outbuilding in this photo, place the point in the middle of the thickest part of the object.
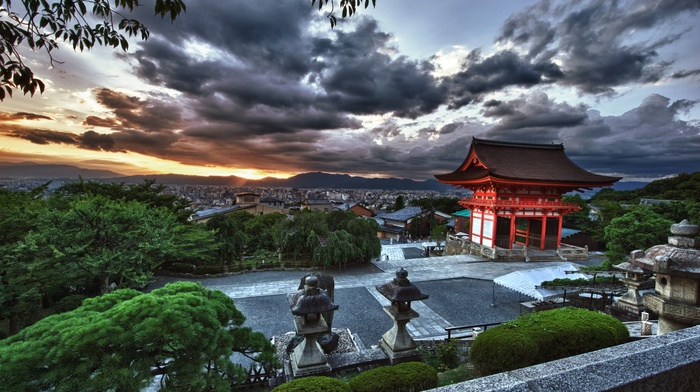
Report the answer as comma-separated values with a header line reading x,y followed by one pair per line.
x,y
517,192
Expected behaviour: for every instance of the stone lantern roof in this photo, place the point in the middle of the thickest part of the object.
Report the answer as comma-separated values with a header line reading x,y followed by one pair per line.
x,y
400,289
311,299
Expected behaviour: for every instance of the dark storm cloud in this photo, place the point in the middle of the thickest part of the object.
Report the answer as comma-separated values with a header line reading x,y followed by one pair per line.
x,y
95,121
149,115
685,74
536,111
89,140
359,76
651,132
92,140
254,84
416,157
42,136
249,39
481,76
4,116
592,40
273,65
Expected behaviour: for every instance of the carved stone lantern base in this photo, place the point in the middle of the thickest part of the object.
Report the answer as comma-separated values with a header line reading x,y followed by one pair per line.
x,y
397,343
308,358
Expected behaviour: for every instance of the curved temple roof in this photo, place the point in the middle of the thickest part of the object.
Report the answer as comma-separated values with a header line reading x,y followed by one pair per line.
x,y
494,161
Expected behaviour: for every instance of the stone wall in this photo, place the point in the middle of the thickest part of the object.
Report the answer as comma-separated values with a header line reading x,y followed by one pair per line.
x,y
669,362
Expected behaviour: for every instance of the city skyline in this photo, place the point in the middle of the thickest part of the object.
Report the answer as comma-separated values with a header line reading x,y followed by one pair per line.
x,y
256,89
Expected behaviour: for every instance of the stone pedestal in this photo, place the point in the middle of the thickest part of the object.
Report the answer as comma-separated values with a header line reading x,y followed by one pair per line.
x,y
397,343
308,358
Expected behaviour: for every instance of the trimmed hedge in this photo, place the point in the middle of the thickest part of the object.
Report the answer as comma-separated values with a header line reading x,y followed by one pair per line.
x,y
314,384
404,377
540,337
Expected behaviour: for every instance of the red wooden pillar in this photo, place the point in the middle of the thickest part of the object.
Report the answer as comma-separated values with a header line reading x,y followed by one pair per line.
x,y
511,238
543,233
559,230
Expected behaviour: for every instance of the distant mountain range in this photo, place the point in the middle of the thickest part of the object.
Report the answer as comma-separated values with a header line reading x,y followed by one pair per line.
x,y
305,180
51,171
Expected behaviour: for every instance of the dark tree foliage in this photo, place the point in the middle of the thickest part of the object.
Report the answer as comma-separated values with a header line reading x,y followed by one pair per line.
x,y
640,228
448,205
348,8
399,203
261,232
676,211
579,220
183,334
683,187
328,239
147,192
18,212
83,244
231,236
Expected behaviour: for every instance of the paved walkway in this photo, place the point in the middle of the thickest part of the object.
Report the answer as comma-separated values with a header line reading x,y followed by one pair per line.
x,y
429,324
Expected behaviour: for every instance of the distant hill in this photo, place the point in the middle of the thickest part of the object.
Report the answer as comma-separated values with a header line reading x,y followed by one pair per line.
x,y
305,180
629,185
344,181
684,186
51,171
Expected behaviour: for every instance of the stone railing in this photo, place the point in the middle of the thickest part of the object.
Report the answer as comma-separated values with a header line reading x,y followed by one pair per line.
x,y
670,362
570,252
459,246
511,254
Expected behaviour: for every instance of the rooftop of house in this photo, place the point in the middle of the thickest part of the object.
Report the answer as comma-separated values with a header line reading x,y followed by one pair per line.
x,y
403,214
317,202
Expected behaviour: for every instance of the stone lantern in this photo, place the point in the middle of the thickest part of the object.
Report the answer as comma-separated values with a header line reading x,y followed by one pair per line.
x,y
631,305
676,297
397,342
307,306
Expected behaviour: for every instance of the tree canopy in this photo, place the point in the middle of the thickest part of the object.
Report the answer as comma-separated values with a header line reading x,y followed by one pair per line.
x,y
184,335
448,205
328,239
98,239
55,251
683,187
640,228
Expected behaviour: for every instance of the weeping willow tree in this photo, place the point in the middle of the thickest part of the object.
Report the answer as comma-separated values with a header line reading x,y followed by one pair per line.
x,y
328,239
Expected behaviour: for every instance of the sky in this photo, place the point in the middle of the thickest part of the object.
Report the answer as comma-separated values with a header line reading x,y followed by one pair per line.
x,y
267,88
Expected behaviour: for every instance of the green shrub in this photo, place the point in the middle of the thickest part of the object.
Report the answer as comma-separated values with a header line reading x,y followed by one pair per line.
x,y
69,302
404,377
461,373
444,355
314,384
544,336
580,281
